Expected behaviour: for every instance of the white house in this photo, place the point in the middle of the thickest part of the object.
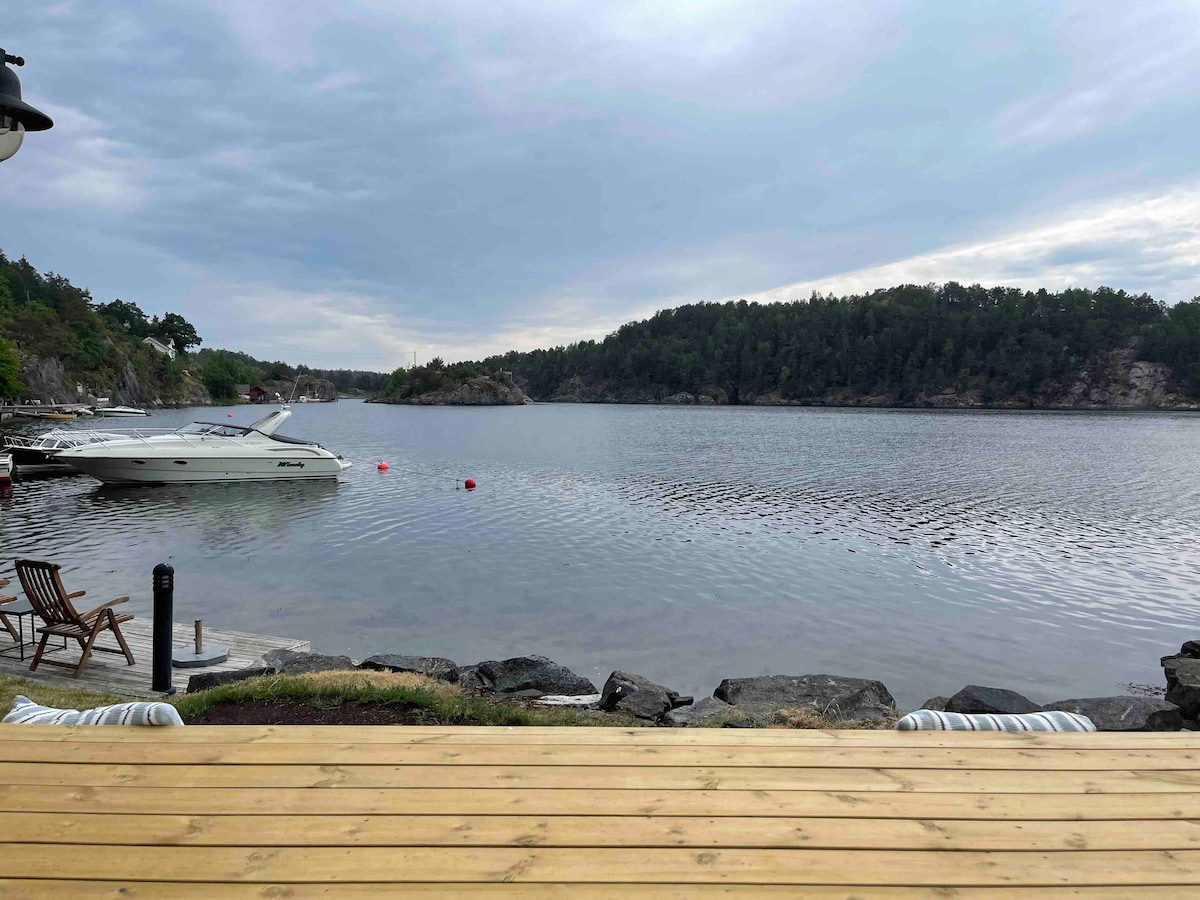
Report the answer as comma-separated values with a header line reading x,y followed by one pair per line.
x,y
166,346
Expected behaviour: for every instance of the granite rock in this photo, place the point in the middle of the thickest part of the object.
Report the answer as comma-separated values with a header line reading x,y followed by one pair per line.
x,y
522,673
976,698
432,666
836,696
1124,713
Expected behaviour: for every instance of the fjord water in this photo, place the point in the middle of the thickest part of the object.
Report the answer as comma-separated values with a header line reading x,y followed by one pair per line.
x,y
1057,554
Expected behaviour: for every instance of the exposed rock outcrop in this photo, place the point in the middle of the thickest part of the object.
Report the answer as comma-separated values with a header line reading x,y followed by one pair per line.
x,y
1124,713
976,698
1118,380
535,674
433,666
834,696
707,711
639,696
46,380
1183,684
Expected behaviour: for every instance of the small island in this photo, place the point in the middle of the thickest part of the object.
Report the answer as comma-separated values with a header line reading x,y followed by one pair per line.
x,y
461,384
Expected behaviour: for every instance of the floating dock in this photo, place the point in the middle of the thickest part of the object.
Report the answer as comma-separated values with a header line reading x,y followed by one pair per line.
x,y
108,672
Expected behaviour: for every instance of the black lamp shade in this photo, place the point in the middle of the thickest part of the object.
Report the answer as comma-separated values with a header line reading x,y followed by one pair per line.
x,y
13,106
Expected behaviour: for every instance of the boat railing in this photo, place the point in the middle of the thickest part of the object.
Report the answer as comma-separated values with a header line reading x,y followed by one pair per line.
x,y
191,440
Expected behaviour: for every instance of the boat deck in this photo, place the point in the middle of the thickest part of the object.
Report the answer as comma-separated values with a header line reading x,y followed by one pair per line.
x,y
108,672
349,812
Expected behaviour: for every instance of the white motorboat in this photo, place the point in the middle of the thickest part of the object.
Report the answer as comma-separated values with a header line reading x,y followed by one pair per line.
x,y
6,469
121,411
40,452
207,451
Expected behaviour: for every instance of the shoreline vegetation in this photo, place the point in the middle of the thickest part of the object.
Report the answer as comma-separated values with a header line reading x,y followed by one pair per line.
x,y
934,346
299,688
944,346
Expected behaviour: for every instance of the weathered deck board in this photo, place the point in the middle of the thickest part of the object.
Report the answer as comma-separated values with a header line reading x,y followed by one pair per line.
x,y
601,777
855,757
239,812
109,673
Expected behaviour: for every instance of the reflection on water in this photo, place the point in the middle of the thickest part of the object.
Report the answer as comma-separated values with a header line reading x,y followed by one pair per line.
x,y
1052,553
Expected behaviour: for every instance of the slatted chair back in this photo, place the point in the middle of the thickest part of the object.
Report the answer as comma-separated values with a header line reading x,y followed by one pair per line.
x,y
46,593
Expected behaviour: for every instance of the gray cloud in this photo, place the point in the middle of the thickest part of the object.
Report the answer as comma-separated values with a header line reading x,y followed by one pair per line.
x,y
354,180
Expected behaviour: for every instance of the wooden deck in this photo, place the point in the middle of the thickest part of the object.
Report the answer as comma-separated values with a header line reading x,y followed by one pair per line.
x,y
109,672
307,812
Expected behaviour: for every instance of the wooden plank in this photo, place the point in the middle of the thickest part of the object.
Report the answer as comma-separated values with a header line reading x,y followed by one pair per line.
x,y
284,865
148,890
680,778
489,801
858,756
599,736
596,831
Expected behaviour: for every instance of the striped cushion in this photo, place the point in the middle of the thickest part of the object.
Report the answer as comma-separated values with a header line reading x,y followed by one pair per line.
x,y
933,720
26,712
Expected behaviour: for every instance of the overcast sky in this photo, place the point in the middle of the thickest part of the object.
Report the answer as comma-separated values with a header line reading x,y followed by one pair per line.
x,y
343,183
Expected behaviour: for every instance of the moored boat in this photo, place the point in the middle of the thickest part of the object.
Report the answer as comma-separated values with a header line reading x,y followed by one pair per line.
x,y
121,411
207,451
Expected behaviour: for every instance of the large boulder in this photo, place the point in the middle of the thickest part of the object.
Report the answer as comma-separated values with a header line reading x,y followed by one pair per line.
x,y
1183,684
1124,713
835,696
975,698
208,680
525,673
639,696
432,666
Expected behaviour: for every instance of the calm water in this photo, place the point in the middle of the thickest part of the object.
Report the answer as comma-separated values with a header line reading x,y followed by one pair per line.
x,y
1057,554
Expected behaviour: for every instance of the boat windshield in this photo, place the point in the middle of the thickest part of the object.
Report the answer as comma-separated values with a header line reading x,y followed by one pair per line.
x,y
213,429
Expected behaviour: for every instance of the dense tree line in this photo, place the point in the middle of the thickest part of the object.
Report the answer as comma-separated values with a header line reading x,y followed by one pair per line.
x,y
44,315
903,342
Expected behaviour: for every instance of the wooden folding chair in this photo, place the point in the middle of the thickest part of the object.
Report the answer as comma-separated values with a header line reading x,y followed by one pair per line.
x,y
50,599
8,626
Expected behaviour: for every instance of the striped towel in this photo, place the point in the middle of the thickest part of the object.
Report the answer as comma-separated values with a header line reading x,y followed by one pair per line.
x,y
26,712
933,720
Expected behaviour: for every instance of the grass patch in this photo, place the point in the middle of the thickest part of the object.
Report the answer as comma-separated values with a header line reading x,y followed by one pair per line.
x,y
51,695
424,699
807,717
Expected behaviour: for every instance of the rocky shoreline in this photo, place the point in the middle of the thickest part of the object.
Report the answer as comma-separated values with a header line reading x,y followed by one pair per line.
x,y
803,701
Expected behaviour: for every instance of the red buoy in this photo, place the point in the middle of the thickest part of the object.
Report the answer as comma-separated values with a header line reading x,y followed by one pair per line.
x,y
469,484
229,415
382,467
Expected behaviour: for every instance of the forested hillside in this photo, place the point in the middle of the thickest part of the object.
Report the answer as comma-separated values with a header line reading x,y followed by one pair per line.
x,y
900,346
55,339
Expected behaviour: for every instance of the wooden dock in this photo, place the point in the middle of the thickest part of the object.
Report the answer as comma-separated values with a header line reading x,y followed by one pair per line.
x,y
352,812
109,672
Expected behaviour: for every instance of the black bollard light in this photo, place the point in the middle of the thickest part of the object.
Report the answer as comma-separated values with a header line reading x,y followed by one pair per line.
x,y
164,603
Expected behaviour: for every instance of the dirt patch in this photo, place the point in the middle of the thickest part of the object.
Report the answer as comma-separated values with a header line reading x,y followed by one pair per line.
x,y
281,712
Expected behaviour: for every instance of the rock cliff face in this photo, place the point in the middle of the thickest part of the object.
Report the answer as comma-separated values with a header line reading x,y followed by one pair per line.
x,y
45,380
474,392
1118,380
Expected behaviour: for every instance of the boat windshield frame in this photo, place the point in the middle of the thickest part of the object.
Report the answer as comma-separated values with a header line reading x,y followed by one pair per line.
x,y
215,429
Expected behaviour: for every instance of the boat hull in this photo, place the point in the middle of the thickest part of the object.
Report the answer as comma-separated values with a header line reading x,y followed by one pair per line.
x,y
174,470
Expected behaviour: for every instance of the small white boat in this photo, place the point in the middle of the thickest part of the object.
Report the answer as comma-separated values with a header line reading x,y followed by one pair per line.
x,y
206,451
121,411
6,468
39,453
